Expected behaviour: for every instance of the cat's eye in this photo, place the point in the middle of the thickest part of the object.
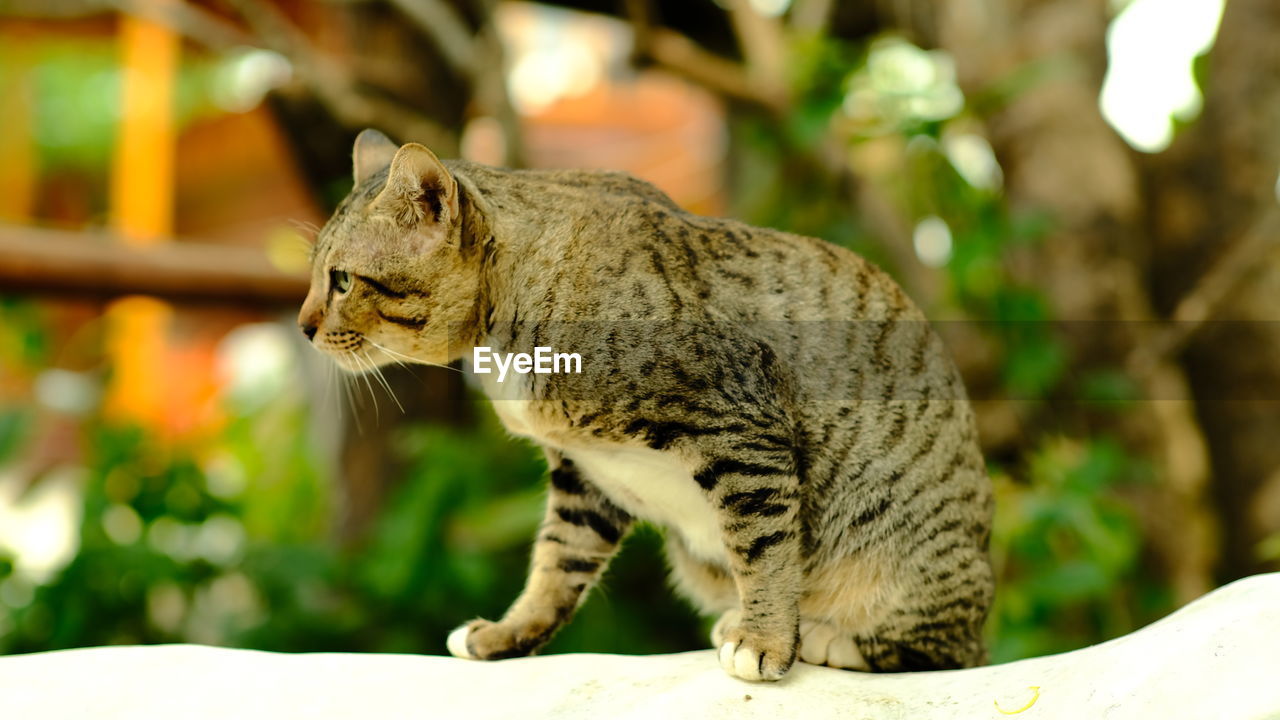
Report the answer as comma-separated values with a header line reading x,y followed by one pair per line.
x,y
339,281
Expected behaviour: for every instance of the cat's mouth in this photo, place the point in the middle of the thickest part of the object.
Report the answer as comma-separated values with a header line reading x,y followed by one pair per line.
x,y
349,349
356,353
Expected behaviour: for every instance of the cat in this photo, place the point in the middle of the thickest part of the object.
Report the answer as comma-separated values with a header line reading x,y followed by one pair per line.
x,y
774,402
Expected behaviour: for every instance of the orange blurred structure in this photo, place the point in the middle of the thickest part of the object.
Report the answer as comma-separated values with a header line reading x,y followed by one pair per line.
x,y
17,150
657,127
142,213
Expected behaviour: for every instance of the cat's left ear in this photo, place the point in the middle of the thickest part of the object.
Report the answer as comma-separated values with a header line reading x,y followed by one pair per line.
x,y
419,188
372,152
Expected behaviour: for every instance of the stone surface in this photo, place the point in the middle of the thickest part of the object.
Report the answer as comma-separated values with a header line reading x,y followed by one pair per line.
x,y
1219,657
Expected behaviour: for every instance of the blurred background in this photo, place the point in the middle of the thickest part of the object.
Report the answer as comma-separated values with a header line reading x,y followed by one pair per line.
x,y
1082,195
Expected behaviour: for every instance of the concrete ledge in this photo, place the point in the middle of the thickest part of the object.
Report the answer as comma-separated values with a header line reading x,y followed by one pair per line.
x,y
1219,657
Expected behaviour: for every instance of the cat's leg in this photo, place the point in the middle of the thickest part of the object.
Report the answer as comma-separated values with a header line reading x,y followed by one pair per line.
x,y
937,622
709,587
944,634
578,537
857,617
725,415
755,494
929,646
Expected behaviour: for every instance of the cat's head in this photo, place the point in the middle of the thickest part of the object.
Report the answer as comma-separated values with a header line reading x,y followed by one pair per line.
x,y
392,276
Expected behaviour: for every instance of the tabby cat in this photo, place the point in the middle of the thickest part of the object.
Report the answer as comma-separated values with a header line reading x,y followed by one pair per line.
x,y
774,402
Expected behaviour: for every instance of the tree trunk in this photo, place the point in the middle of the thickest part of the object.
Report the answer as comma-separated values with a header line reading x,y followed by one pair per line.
x,y
1207,195
1061,159
393,59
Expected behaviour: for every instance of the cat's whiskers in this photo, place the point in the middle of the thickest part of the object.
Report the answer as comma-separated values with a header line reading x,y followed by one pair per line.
x,y
390,356
394,355
345,380
400,363
382,379
338,381
307,227
364,375
328,383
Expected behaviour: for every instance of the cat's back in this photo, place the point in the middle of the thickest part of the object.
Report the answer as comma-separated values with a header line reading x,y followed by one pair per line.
x,y
628,251
602,247
853,345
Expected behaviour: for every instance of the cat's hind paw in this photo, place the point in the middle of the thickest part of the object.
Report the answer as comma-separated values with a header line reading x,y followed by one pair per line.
x,y
824,644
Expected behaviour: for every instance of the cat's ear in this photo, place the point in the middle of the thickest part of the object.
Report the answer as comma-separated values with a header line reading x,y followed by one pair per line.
x,y
373,152
419,188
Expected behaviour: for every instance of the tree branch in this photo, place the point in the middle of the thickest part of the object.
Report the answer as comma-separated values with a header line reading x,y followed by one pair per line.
x,y
491,93
1204,300
679,55
763,45
478,58
188,20
332,84
811,16
447,30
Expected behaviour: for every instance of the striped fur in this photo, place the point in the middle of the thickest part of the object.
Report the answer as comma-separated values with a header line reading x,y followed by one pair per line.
x,y
773,401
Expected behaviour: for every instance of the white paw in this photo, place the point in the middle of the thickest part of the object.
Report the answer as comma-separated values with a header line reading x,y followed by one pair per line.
x,y
457,642
825,644
740,662
743,661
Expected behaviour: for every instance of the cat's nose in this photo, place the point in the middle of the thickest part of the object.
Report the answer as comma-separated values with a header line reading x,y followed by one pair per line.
x,y
309,331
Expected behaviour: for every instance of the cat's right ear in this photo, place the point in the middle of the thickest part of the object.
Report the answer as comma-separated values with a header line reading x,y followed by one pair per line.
x,y
372,153
419,189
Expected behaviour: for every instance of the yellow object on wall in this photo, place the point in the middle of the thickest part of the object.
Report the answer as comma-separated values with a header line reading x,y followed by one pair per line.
x,y
142,192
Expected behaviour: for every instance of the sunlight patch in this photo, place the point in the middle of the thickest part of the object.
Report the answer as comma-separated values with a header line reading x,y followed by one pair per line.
x,y
1152,45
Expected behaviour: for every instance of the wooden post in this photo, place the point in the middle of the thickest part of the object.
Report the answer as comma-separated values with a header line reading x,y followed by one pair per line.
x,y
142,214
17,142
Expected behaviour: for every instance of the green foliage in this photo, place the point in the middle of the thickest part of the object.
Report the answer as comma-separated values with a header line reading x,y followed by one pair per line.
x,y
1066,543
23,341
232,540
1067,549
238,549
100,597
23,347
75,87
13,430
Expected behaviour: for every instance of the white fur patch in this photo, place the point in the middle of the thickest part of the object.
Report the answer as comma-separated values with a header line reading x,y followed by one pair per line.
x,y
648,484
510,400
656,486
457,643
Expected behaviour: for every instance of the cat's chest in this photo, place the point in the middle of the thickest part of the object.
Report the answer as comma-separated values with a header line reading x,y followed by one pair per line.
x,y
648,484
656,487
511,402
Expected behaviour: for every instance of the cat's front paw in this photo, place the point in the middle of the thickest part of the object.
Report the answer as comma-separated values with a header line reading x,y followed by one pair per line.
x,y
457,640
485,640
756,655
